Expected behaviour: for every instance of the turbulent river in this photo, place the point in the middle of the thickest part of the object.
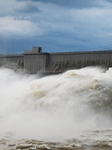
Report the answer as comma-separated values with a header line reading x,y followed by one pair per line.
x,y
72,110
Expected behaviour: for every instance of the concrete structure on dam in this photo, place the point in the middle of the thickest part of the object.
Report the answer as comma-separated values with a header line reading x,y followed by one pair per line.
x,y
36,61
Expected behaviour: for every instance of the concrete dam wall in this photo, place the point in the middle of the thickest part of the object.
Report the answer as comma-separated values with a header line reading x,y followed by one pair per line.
x,y
35,61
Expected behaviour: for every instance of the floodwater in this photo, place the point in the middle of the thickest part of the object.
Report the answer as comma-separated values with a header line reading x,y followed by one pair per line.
x,y
72,110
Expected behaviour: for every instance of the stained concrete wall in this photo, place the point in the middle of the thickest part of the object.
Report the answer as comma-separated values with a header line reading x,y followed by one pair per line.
x,y
34,60
12,61
65,61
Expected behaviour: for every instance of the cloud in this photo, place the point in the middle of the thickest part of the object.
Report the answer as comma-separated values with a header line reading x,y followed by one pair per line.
x,y
10,27
37,18
71,3
7,7
17,8
56,24
27,8
110,1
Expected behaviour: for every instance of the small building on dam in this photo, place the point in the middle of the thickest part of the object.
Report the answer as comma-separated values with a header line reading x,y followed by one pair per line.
x,y
36,61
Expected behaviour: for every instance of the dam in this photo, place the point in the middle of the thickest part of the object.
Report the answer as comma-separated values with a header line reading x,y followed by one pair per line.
x,y
37,61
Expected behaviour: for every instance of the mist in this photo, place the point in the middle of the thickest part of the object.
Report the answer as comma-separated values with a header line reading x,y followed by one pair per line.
x,y
57,107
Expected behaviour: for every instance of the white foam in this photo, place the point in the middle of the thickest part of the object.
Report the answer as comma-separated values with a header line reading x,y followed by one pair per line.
x,y
55,107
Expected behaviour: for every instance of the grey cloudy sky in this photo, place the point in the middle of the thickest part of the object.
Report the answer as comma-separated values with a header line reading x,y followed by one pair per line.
x,y
55,25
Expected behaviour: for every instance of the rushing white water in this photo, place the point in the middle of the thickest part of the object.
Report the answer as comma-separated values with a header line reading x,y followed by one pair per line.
x,y
74,105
